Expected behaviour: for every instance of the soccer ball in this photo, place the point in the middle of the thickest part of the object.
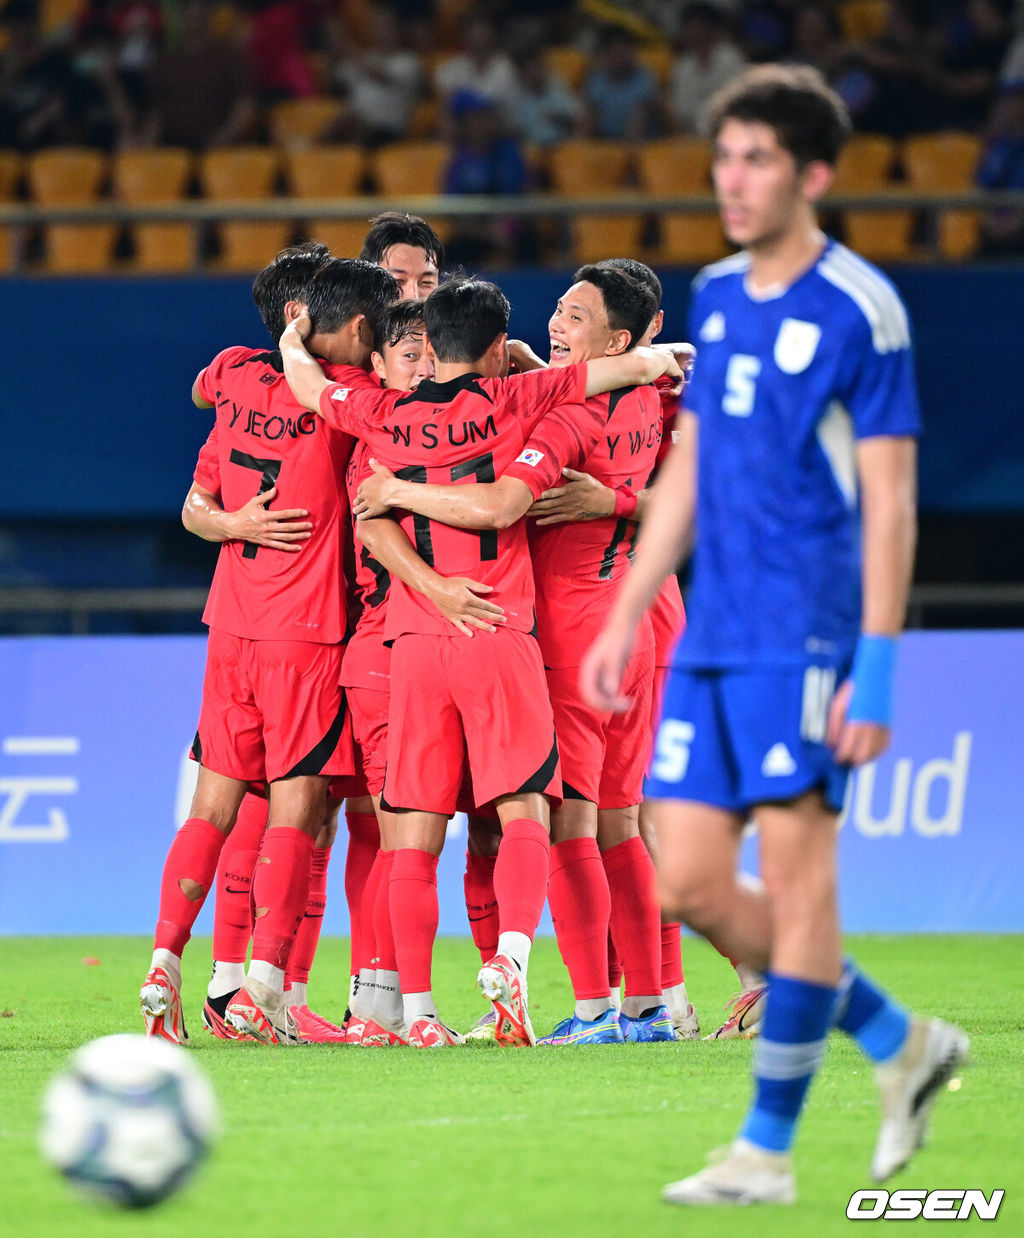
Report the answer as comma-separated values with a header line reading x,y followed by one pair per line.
x,y
128,1119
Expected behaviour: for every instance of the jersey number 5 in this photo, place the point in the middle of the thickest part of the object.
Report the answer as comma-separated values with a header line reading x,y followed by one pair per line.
x,y
672,750
740,385
269,470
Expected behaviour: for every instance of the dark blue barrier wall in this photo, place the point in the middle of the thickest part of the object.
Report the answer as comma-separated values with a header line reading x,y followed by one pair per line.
x,y
96,376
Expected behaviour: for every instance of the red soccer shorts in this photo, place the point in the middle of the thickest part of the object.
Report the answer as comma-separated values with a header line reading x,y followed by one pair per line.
x,y
369,711
272,709
604,755
484,700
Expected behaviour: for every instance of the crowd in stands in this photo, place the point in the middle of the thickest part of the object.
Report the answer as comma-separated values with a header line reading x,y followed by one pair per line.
x,y
498,80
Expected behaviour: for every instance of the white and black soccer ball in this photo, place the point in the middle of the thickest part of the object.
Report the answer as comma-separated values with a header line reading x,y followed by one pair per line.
x,y
128,1119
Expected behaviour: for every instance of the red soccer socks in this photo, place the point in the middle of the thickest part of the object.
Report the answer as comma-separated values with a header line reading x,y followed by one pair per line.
x,y
232,916
414,916
308,935
280,889
363,845
481,904
187,877
580,907
635,915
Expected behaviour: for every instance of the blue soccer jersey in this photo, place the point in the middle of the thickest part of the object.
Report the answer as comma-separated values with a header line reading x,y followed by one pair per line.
x,y
783,387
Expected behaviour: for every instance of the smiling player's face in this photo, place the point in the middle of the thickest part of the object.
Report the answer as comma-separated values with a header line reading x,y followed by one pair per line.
x,y
403,366
579,328
414,269
757,184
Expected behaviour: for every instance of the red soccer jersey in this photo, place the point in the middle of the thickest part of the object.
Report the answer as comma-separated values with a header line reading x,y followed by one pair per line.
x,y
262,438
578,565
467,430
367,660
670,404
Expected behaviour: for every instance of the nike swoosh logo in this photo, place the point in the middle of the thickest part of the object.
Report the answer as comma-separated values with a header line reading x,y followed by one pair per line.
x,y
228,890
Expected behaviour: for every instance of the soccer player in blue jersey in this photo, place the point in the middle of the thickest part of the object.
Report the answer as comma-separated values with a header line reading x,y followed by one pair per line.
x,y
800,424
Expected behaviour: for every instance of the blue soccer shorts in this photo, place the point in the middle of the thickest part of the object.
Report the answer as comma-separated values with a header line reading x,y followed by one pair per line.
x,y
739,737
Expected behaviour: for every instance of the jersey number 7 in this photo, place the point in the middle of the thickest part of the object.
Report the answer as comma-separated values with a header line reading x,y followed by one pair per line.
x,y
269,471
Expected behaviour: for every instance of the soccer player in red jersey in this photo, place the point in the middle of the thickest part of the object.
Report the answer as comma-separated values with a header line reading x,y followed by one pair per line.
x,y
272,706
489,696
278,291
401,363
577,567
408,248
584,496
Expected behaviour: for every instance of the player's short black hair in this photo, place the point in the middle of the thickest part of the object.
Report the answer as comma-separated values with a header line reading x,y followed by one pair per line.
x,y
399,320
464,317
344,287
396,228
286,279
809,118
640,271
629,304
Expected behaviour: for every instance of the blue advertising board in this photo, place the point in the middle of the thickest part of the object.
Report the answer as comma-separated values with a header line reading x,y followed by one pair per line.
x,y
94,779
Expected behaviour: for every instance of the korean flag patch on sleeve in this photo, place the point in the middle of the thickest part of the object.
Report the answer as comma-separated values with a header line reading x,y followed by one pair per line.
x,y
530,457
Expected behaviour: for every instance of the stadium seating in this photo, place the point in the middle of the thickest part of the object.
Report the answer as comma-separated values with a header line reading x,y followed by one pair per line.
x,y
946,163
157,176
595,168
329,172
570,63
409,168
406,169
10,175
302,122
865,167
658,57
57,15
863,20
72,176
244,173
682,166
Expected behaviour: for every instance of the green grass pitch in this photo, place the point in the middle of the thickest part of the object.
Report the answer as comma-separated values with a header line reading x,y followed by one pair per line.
x,y
331,1140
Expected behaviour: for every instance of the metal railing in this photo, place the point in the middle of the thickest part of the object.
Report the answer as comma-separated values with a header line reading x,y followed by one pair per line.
x,y
930,604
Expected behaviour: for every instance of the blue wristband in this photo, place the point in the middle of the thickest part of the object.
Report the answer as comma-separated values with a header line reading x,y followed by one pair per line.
x,y
873,667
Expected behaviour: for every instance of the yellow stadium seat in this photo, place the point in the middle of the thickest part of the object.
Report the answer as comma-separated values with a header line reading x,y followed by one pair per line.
x,y
863,20
302,122
425,122
11,167
244,173
596,168
72,176
239,172
10,176
865,166
55,15
682,166
406,168
325,171
946,163
329,172
570,63
154,177
658,57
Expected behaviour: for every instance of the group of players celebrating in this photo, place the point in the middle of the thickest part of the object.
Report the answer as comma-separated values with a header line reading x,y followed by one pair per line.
x,y
395,459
